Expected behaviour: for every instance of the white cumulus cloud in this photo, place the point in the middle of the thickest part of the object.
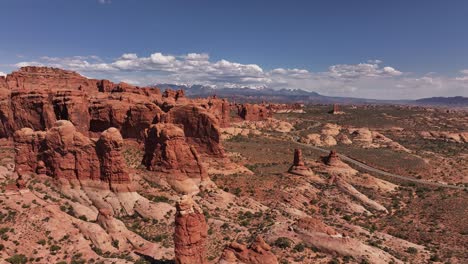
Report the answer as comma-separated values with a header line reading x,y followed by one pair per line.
x,y
371,79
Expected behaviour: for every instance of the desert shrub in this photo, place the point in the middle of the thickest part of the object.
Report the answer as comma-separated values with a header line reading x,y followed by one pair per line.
x,y
142,261
283,242
347,218
299,247
55,248
115,243
160,199
17,259
412,250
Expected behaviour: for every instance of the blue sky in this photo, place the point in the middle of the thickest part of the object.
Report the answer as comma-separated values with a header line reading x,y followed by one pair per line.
x,y
373,49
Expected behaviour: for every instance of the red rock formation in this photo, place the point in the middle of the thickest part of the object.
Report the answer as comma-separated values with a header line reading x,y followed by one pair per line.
x,y
200,127
221,110
190,233
298,166
335,110
70,155
315,225
253,112
332,159
73,106
105,86
169,93
20,183
166,150
258,253
32,109
67,155
27,146
36,97
44,78
3,83
286,108
130,113
298,158
112,164
6,115
139,117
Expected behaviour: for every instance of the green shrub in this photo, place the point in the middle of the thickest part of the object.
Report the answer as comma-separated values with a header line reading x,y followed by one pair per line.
x,y
55,248
17,259
283,242
299,247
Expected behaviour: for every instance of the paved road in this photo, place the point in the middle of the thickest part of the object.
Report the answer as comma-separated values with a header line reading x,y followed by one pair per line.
x,y
375,170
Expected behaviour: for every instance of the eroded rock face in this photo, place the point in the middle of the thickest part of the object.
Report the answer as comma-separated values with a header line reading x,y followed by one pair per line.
x,y
219,108
45,78
190,233
257,253
166,150
298,158
31,109
200,127
253,112
130,113
27,146
112,164
36,97
72,105
67,155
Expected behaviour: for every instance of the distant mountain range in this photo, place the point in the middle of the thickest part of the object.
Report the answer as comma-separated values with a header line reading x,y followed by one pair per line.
x,y
301,96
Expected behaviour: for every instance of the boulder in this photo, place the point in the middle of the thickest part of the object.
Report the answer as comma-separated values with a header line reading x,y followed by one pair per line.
x,y
259,252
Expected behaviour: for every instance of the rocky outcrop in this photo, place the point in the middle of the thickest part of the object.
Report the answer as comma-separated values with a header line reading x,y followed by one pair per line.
x,y
130,113
72,105
200,127
316,234
32,109
167,151
253,112
219,108
458,137
112,164
67,155
36,97
45,78
190,233
27,146
258,252
298,166
332,159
